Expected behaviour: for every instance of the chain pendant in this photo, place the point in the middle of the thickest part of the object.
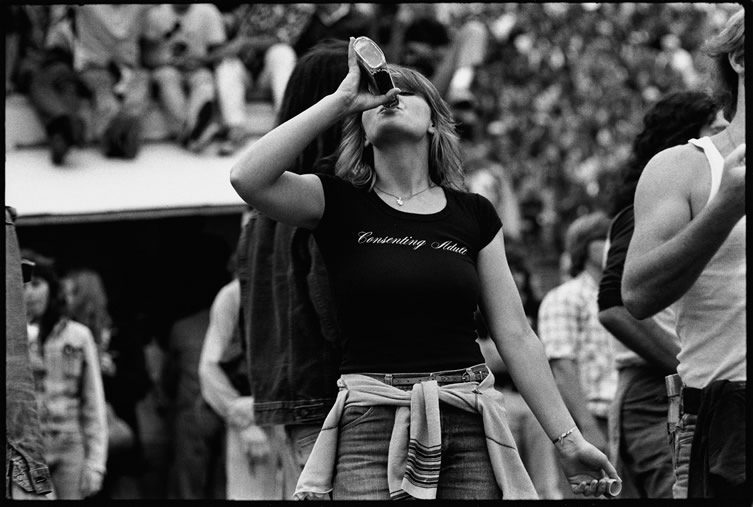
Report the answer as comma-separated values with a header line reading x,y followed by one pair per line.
x,y
399,202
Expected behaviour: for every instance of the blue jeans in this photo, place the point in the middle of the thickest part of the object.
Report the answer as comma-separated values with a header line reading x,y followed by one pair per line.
x,y
25,466
361,471
680,440
299,442
643,450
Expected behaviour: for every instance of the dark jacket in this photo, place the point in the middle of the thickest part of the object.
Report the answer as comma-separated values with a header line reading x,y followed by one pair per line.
x,y
289,328
24,461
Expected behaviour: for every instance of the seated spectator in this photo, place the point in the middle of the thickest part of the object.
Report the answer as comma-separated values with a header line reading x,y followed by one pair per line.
x,y
180,40
334,21
259,55
419,40
107,56
69,389
45,73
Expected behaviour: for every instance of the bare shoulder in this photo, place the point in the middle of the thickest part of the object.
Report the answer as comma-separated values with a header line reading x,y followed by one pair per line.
x,y
676,167
677,171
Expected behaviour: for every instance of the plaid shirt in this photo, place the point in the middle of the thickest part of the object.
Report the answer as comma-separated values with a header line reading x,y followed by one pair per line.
x,y
569,327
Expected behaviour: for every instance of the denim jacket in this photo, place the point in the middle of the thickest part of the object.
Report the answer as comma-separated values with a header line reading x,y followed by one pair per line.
x,y
24,462
69,387
289,326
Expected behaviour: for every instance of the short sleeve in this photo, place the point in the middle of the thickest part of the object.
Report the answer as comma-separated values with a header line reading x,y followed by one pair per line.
x,y
335,192
610,286
489,221
558,315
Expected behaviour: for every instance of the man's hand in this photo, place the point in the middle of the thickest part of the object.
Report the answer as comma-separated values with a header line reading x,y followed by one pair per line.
x,y
241,412
256,444
91,481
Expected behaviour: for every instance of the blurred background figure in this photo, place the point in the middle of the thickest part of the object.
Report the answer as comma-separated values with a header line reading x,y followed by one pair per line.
x,y
68,384
253,466
124,377
43,70
258,56
448,55
646,350
579,349
107,56
26,472
181,41
197,466
336,21
490,179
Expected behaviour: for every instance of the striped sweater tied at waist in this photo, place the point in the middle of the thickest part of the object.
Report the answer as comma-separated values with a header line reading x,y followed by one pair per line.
x,y
414,458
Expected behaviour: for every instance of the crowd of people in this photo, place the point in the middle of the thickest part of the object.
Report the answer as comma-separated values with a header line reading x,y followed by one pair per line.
x,y
379,332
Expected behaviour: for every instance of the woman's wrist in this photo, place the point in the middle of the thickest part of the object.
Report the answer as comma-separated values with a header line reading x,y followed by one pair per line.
x,y
569,440
340,102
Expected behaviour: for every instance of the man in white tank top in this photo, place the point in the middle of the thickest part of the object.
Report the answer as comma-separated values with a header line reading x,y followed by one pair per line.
x,y
688,251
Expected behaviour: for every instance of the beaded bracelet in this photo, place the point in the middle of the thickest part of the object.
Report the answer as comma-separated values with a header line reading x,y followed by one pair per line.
x,y
560,438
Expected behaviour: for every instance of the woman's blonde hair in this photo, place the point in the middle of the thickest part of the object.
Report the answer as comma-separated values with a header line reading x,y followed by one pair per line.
x,y
355,160
718,49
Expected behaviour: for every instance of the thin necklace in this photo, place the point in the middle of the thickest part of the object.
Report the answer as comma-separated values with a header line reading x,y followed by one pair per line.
x,y
401,200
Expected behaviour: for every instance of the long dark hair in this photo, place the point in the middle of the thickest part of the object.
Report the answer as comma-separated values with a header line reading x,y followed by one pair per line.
x,y
673,120
317,74
44,268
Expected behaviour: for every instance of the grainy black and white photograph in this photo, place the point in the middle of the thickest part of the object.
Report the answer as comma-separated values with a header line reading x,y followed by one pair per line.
x,y
374,251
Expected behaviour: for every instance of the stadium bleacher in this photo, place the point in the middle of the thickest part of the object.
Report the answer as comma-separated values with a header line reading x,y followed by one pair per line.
x,y
163,180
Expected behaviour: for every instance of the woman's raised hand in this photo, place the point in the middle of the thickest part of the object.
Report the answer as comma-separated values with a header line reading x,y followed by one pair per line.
x,y
355,99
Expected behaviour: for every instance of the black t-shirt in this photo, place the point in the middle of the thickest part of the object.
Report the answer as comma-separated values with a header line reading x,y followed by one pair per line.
x,y
620,232
405,284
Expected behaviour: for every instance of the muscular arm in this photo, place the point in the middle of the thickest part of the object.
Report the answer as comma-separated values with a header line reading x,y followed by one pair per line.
x,y
670,246
647,338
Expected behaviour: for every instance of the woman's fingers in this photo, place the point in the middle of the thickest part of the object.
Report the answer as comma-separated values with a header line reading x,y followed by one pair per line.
x,y
352,63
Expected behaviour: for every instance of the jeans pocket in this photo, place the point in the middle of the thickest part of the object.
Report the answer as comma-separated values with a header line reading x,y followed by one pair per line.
x,y
307,440
353,415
